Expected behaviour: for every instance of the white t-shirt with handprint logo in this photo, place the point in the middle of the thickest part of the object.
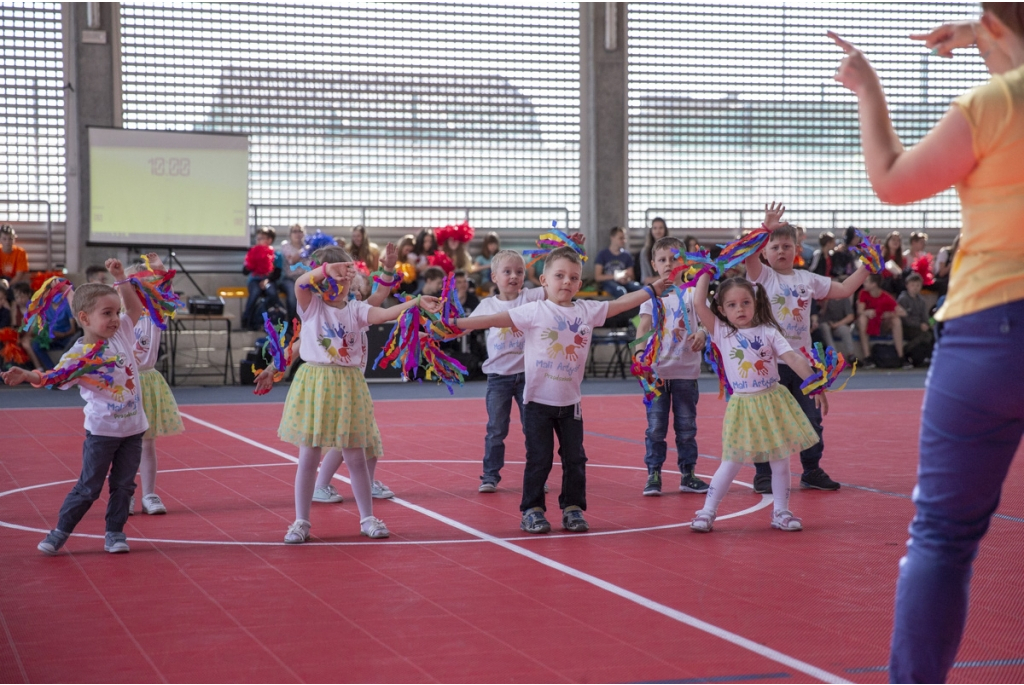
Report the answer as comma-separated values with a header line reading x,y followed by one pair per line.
x,y
791,296
557,340
505,345
333,336
676,360
750,356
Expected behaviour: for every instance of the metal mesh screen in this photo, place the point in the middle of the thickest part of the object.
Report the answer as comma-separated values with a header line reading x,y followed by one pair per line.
x,y
734,106
31,114
399,117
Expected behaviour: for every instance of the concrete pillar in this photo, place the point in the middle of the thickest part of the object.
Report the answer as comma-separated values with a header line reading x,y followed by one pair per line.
x,y
603,121
92,88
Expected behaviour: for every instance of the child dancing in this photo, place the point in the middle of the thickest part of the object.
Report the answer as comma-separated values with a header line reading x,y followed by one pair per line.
x,y
328,404
763,423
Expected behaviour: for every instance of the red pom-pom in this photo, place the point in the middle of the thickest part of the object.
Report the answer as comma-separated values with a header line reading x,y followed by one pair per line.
x,y
259,260
462,233
41,277
442,260
362,268
10,349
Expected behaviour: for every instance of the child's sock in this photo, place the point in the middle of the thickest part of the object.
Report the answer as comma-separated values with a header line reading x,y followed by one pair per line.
x,y
147,467
725,474
305,480
781,484
328,467
359,474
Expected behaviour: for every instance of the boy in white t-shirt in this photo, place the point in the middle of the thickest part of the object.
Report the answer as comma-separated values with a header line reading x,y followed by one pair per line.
x,y
114,417
678,367
506,373
790,292
557,334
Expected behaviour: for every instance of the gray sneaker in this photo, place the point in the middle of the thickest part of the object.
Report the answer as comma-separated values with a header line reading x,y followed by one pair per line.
x,y
534,521
152,505
487,486
131,506
327,494
115,543
573,521
380,491
52,543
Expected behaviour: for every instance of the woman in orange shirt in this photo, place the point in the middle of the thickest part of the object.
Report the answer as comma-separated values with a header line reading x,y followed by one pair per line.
x,y
972,419
13,260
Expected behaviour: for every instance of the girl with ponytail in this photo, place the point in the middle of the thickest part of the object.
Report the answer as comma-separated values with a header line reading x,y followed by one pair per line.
x,y
763,423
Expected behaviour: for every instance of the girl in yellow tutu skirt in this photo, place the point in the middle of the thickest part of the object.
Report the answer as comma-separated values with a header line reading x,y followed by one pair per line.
x,y
763,423
328,405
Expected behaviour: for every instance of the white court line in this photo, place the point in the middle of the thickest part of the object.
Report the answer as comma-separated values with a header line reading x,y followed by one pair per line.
x,y
640,600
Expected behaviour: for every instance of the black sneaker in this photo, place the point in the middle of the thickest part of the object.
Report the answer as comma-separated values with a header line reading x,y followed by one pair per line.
x,y
573,521
763,483
818,480
868,363
653,487
691,483
534,521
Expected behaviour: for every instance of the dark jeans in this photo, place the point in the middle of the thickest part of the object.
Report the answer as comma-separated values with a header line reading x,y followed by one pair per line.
x,y
501,390
617,290
810,457
542,423
971,426
100,454
681,396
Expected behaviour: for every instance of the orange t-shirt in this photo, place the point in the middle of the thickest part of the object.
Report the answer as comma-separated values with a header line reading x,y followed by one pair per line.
x,y
13,263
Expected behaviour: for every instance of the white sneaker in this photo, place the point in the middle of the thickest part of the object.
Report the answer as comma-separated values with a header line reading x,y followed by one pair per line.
x,y
131,506
784,520
152,505
372,527
380,491
297,533
703,522
327,494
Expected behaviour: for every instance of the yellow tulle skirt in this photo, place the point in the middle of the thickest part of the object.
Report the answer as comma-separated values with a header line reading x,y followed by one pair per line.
x,y
330,406
765,426
160,407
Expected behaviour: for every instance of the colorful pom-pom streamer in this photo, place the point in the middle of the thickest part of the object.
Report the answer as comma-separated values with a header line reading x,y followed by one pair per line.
x,y
46,308
383,280
90,367
869,253
738,250
713,356
643,363
327,288
315,242
11,350
155,291
281,355
408,347
552,240
827,365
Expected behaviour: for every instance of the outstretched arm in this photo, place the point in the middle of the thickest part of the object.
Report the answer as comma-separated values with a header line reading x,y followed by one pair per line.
x,y
378,315
475,323
17,376
942,158
133,306
700,304
635,299
847,288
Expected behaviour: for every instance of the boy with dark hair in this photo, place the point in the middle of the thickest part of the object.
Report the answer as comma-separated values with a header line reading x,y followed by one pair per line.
x,y
613,268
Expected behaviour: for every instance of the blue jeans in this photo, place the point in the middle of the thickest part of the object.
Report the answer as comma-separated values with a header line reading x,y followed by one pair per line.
x,y
100,454
501,390
810,458
681,396
616,289
542,423
971,426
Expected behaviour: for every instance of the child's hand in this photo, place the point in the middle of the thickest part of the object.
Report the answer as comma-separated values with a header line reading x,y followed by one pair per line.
x,y
341,271
870,313
697,341
773,215
390,257
264,381
821,402
659,286
16,376
115,268
430,303
155,263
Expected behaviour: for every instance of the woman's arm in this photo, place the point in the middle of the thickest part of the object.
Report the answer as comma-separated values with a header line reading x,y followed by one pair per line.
x,y
944,157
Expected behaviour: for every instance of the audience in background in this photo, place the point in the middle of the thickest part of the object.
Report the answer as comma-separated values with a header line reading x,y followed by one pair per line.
x,y
917,329
878,314
894,266
291,251
835,324
918,260
482,263
613,268
657,231
362,250
821,260
943,265
263,266
467,295
423,250
13,259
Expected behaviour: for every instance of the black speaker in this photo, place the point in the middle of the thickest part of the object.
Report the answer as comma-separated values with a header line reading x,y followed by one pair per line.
x,y
375,339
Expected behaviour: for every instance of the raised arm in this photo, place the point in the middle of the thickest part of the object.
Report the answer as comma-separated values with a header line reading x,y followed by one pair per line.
x,y
133,306
388,261
700,304
942,158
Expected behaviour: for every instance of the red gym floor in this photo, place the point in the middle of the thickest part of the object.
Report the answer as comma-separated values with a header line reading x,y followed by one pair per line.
x,y
459,594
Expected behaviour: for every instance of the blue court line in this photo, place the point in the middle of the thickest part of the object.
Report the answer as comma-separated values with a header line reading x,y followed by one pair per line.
x,y
1015,519
723,678
959,664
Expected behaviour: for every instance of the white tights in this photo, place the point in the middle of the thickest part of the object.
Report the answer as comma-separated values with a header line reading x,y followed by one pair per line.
x,y
147,467
728,471
306,479
330,465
